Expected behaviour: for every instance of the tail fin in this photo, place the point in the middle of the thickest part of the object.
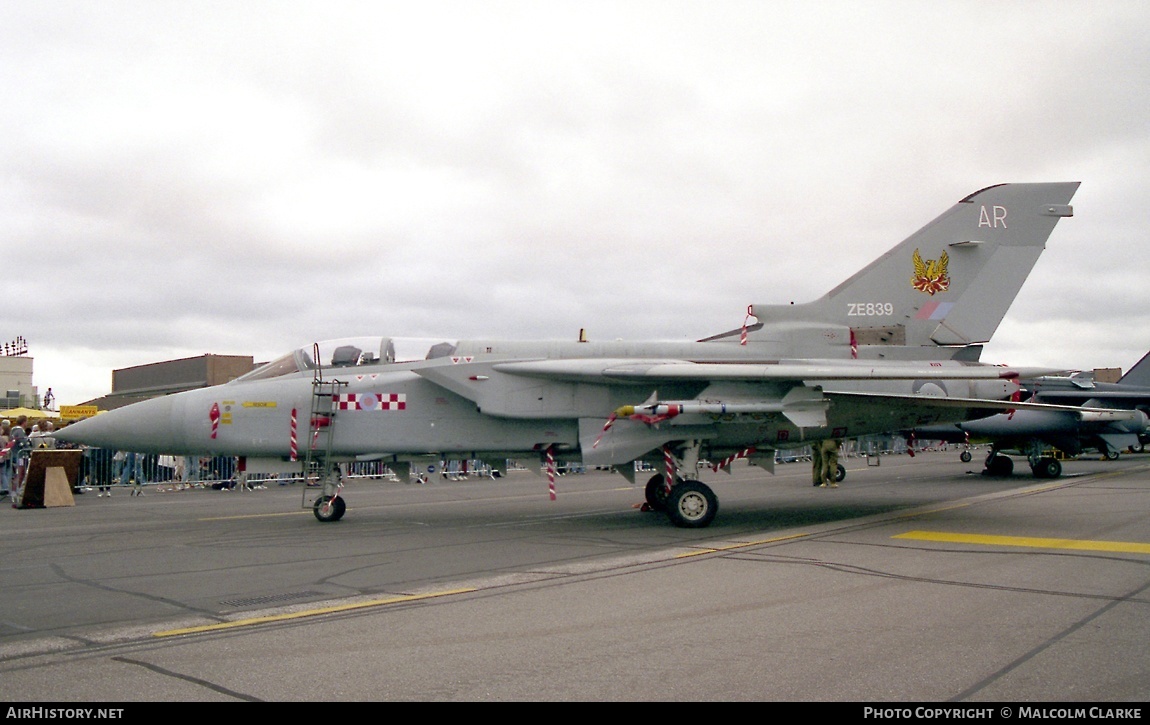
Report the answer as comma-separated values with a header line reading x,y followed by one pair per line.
x,y
949,284
1139,374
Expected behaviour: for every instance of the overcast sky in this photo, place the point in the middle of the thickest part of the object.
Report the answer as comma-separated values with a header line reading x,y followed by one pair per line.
x,y
182,178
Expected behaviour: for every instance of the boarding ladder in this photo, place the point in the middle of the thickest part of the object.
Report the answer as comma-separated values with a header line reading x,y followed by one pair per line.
x,y
322,477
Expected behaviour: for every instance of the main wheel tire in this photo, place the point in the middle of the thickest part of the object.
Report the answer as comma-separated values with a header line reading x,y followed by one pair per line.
x,y
1047,468
326,512
656,493
998,465
840,473
692,505
1111,454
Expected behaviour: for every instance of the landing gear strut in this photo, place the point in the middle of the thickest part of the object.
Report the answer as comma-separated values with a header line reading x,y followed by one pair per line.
x,y
329,505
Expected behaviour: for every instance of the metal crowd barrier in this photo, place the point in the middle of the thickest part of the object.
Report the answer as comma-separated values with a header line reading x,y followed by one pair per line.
x,y
102,467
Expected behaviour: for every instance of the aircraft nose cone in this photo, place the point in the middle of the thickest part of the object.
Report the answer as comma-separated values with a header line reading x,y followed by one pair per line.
x,y
146,427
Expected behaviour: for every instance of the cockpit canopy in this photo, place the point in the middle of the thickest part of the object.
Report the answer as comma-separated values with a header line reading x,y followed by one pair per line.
x,y
352,352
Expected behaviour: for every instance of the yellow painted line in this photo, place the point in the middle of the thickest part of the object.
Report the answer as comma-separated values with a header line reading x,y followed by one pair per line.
x,y
732,547
1125,547
308,613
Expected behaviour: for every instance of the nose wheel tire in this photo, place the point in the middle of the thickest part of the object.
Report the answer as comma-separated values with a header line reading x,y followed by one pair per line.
x,y
692,505
329,508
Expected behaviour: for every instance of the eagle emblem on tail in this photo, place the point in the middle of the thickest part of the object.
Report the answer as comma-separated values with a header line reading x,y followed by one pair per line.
x,y
930,275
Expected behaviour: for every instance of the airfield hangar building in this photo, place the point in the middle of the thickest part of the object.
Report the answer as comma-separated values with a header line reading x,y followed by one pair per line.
x,y
131,385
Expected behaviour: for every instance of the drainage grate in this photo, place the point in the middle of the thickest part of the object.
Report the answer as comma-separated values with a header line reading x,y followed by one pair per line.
x,y
272,599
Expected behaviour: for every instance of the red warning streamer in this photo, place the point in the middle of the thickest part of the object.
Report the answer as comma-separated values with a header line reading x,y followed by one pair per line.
x,y
551,472
731,459
214,416
1015,397
294,440
606,427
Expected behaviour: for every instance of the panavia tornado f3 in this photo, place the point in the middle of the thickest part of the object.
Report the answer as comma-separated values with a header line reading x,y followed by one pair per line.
x,y
894,347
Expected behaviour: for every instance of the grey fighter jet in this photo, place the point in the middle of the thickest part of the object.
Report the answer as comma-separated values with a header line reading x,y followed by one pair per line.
x,y
893,347
1109,417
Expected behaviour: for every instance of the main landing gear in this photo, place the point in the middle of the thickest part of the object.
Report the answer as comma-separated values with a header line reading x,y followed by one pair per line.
x,y
1041,466
1046,467
998,465
692,505
656,492
689,504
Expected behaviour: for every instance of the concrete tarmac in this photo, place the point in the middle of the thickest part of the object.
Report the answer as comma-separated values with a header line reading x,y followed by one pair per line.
x,y
918,580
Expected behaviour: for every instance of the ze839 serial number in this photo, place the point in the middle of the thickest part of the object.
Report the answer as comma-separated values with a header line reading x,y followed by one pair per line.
x,y
869,309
